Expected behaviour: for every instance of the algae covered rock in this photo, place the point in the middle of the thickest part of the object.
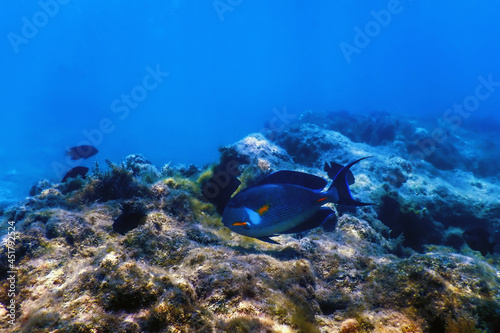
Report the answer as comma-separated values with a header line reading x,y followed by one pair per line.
x,y
134,249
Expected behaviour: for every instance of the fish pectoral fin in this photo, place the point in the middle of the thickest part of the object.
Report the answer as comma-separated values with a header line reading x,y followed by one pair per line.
x,y
313,222
241,224
268,240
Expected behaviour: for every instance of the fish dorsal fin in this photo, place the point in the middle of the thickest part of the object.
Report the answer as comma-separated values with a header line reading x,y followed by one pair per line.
x,y
295,178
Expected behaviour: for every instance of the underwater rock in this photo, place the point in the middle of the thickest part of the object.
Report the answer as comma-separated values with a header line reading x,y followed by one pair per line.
x,y
136,250
256,147
39,186
131,217
72,227
141,168
417,202
242,164
116,183
350,326
479,239
468,150
50,197
439,292
375,129
306,143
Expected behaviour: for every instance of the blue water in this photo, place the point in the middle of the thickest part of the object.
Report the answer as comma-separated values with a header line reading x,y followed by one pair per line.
x,y
68,66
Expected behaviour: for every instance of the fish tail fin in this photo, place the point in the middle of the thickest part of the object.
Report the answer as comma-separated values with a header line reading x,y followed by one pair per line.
x,y
71,154
340,187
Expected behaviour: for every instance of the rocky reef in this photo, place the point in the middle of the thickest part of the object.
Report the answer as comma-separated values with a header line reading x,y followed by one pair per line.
x,y
140,249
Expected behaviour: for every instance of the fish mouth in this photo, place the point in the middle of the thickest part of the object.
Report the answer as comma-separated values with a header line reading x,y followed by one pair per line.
x,y
240,223
245,225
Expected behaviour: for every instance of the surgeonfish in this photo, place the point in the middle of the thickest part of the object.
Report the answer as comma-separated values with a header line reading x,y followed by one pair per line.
x,y
288,202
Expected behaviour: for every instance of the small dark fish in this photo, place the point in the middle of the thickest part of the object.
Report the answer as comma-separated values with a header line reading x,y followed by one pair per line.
x,y
287,202
478,239
75,172
84,151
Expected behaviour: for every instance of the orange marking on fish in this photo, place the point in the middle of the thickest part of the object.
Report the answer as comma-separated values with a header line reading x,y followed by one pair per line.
x,y
240,224
322,199
263,209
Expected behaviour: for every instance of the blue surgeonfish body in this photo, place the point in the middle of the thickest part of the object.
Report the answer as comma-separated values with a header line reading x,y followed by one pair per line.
x,y
288,202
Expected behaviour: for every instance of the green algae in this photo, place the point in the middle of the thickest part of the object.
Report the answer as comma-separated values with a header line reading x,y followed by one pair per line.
x,y
182,271
437,289
205,176
124,287
116,183
42,320
181,183
205,213
245,324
